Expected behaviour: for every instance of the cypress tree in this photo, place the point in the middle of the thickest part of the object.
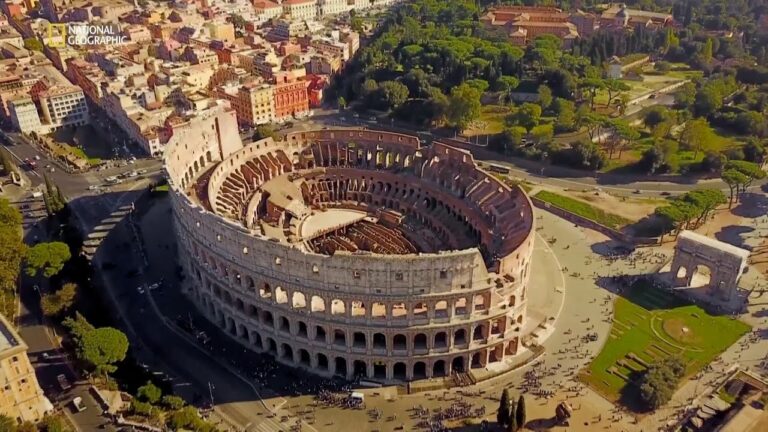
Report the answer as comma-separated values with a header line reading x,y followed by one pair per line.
x,y
502,415
520,412
512,426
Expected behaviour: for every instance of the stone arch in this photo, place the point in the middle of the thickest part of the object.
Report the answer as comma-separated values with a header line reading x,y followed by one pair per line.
x,y
438,369
359,340
459,337
360,369
479,302
281,295
267,319
317,304
460,306
265,291
700,276
457,365
441,340
682,272
339,337
419,370
420,310
379,341
441,309
340,364
322,361
399,371
285,324
304,358
378,310
399,342
420,341
357,308
338,307
302,330
298,300
271,345
287,352
479,332
399,311
320,334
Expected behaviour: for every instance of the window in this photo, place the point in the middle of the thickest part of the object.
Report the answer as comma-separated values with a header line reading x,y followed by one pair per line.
x,y
443,274
356,274
398,276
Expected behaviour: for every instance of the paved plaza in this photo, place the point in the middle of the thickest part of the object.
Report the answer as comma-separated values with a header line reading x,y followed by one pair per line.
x,y
564,294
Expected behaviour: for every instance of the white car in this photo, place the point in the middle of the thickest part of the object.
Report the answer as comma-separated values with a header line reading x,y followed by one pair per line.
x,y
93,187
78,404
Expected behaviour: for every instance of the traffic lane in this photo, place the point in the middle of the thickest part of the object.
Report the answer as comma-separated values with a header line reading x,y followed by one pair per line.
x,y
89,419
166,347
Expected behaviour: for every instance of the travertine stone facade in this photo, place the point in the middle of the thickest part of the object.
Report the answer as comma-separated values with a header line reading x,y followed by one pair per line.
x,y
385,316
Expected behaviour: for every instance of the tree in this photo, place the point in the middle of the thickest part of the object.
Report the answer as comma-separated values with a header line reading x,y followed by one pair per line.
x,y
698,136
686,95
733,178
542,133
614,86
626,133
520,413
60,301
463,106
7,424
237,21
706,52
54,424
660,380
677,215
754,151
705,201
393,93
341,102
545,96
592,86
502,414
103,347
7,162
47,257
265,131
505,85
149,393
33,44
566,115
479,84
512,138
526,115
54,201
172,402
12,251
750,170
512,426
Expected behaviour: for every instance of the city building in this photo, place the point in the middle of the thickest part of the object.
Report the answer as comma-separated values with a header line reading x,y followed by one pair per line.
x,y
24,115
291,100
356,253
21,397
300,10
266,9
618,15
524,23
253,102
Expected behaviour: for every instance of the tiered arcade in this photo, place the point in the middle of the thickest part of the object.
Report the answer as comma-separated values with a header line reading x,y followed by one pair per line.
x,y
357,253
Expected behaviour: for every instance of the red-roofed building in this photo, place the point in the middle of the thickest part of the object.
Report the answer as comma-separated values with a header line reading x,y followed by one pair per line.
x,y
291,99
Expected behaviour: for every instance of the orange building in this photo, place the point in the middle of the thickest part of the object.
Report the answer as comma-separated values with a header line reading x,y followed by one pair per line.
x,y
291,99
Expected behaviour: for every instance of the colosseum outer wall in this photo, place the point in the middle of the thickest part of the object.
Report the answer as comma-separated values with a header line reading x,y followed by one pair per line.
x,y
453,313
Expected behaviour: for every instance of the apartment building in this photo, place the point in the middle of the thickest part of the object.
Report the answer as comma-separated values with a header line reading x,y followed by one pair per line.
x,y
21,397
300,9
24,115
291,100
62,106
87,76
330,47
254,103
222,31
267,10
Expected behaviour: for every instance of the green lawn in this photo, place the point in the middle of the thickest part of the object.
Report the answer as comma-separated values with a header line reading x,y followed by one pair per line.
x,y
651,324
583,209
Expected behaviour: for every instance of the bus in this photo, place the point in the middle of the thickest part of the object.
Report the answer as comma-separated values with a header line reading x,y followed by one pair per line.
x,y
501,169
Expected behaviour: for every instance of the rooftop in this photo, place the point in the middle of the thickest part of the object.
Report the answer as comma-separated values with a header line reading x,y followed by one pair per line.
x,y
8,336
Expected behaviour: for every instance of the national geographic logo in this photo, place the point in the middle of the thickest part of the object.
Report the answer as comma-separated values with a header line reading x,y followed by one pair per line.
x,y
79,34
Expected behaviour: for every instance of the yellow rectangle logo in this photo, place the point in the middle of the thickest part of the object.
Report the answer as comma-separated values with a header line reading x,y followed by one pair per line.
x,y
57,35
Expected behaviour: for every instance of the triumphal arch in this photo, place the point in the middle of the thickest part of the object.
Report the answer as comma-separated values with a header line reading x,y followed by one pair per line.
x,y
697,255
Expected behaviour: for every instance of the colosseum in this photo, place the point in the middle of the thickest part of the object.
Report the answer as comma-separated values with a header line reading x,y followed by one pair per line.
x,y
352,252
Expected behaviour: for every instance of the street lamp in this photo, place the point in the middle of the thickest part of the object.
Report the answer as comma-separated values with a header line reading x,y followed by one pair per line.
x,y
210,392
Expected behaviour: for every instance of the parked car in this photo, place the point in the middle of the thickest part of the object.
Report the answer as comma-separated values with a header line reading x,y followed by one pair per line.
x,y
63,382
78,404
